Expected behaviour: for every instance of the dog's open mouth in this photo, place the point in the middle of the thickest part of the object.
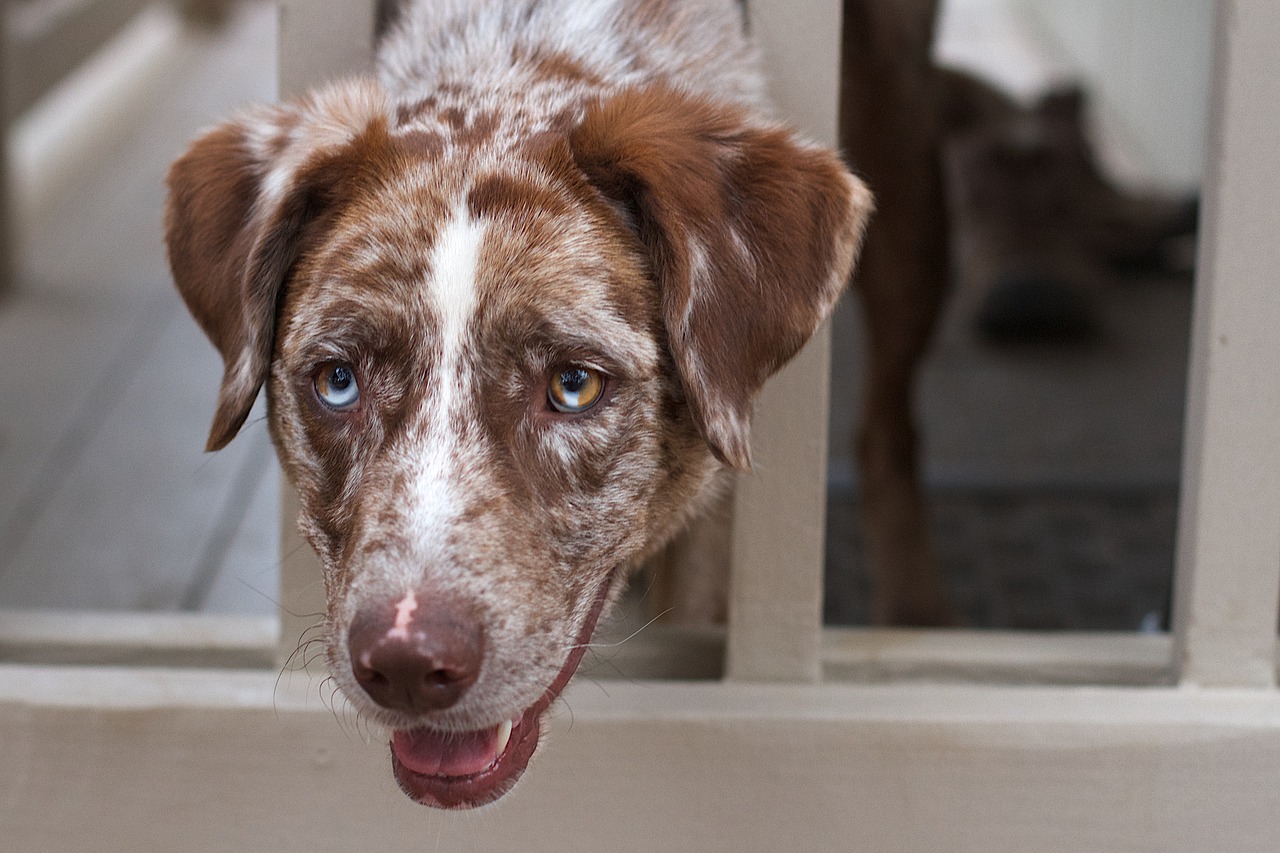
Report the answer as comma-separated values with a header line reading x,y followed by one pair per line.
x,y
463,770
451,770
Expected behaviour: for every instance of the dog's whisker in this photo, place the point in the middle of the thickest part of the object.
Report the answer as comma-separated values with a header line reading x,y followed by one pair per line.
x,y
563,701
343,712
300,651
316,635
297,615
305,642
362,717
311,642
288,666
625,639
259,592
603,660
326,690
313,655
595,682
285,556
653,580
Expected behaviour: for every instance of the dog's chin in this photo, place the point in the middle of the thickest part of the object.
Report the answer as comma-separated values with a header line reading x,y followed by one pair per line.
x,y
464,770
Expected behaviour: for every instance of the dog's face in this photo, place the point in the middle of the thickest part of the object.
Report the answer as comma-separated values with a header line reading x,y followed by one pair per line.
x,y
501,370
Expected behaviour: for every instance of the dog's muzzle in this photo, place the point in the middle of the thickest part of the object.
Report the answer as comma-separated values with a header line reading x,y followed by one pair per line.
x,y
420,655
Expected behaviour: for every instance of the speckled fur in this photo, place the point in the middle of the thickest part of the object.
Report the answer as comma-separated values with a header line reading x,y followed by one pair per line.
x,y
524,185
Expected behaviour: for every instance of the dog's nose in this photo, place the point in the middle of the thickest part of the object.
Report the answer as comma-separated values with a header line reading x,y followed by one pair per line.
x,y
417,653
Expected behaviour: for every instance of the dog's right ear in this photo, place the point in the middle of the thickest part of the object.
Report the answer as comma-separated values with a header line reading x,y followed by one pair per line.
x,y
239,201
751,232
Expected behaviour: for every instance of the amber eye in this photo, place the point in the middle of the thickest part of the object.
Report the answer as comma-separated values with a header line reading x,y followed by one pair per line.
x,y
573,390
336,386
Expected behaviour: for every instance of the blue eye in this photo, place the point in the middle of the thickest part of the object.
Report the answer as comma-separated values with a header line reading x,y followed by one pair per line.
x,y
336,386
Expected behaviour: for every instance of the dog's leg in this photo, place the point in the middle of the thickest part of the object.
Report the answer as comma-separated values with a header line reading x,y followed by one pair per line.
x,y
900,311
891,123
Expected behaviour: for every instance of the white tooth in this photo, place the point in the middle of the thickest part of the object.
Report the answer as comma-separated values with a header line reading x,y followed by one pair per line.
x,y
504,735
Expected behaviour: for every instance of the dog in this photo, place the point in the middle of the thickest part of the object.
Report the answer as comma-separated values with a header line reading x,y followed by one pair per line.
x,y
511,299
1039,229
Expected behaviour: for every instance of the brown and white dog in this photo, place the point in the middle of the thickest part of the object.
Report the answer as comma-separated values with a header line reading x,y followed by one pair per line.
x,y
512,300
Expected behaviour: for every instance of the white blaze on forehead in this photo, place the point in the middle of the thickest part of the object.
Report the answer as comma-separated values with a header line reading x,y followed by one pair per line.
x,y
438,453
453,279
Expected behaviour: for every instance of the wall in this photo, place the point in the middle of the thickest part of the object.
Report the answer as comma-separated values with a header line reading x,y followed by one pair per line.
x,y
1149,64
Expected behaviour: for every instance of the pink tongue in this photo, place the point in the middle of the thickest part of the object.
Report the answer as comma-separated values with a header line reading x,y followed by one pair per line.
x,y
446,754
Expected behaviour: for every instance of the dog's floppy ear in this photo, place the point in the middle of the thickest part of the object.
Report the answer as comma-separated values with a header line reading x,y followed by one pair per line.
x,y
239,201
752,234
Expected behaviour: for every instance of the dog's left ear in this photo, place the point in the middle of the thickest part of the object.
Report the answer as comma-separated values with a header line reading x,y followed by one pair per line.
x,y
752,234
240,200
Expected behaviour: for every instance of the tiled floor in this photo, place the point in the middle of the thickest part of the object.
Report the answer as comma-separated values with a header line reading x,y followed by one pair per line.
x,y
1054,471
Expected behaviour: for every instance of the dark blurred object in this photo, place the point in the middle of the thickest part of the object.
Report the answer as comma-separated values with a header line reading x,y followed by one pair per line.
x,y
891,122
1037,226
998,206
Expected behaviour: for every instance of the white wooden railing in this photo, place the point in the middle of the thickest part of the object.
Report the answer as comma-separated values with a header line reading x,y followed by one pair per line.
x,y
789,736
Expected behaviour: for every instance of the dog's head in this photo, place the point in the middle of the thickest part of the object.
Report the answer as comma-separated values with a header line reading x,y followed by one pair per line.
x,y
500,370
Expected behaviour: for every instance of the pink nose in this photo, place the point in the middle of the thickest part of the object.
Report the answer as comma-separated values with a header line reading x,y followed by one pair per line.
x,y
418,653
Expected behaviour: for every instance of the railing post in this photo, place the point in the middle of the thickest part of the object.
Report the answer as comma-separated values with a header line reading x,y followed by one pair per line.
x,y
319,40
775,600
1228,573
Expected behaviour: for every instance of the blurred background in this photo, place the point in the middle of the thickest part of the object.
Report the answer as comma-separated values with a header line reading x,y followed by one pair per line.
x,y
1051,446
1051,441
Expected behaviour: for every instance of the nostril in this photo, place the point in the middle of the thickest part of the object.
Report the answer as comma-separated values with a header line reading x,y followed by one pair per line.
x,y
445,677
424,662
